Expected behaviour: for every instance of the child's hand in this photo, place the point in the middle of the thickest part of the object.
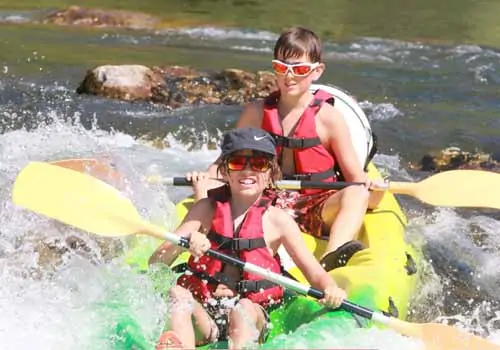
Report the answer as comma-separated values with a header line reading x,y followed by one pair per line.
x,y
200,182
198,244
372,184
334,296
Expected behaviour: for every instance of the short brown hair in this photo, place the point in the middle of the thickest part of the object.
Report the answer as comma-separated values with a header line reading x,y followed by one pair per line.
x,y
298,41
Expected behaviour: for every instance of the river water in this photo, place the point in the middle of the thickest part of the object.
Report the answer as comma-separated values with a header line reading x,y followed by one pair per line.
x,y
426,76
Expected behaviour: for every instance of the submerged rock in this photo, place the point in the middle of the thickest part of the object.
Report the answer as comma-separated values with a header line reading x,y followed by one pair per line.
x,y
176,86
229,86
108,18
80,16
51,251
454,158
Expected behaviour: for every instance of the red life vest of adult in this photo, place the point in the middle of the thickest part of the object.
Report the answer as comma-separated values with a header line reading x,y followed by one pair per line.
x,y
312,160
205,273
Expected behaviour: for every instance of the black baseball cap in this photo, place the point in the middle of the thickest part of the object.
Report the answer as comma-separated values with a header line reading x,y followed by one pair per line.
x,y
248,138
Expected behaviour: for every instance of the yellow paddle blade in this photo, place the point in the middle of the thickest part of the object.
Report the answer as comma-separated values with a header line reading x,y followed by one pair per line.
x,y
455,188
97,168
438,336
78,200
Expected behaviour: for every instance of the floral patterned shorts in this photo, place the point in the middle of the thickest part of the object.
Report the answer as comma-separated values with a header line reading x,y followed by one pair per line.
x,y
306,210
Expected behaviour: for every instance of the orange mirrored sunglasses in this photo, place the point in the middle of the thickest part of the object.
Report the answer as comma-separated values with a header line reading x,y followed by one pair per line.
x,y
260,164
297,69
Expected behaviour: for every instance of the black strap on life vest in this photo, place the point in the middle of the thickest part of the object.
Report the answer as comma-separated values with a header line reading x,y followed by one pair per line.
x,y
302,142
243,286
295,143
236,244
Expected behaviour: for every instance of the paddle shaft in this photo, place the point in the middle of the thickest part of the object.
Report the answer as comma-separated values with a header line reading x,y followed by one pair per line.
x,y
439,189
99,168
283,184
278,279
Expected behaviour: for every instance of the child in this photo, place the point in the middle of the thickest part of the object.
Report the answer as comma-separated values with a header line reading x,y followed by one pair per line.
x,y
313,142
237,219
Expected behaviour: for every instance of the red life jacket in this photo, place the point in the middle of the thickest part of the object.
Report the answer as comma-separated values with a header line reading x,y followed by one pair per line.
x,y
312,160
249,245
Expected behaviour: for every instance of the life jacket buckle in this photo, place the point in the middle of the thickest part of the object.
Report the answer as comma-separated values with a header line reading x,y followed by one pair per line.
x,y
246,286
238,244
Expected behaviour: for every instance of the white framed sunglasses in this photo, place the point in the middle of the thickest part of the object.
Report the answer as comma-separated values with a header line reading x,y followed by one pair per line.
x,y
297,69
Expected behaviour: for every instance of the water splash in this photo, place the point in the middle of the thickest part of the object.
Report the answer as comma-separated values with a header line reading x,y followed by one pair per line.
x,y
59,287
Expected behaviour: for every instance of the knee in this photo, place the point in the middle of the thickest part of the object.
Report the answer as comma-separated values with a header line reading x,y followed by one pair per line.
x,y
180,293
245,306
180,301
359,194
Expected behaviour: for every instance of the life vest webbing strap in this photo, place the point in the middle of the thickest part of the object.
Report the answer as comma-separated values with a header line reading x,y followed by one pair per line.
x,y
237,244
243,286
296,143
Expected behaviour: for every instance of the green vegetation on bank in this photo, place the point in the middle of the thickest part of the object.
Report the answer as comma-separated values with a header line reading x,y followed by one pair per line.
x,y
458,21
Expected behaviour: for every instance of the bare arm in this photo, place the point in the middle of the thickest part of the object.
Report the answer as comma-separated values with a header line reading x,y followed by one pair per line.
x,y
252,115
341,144
291,238
194,221
207,181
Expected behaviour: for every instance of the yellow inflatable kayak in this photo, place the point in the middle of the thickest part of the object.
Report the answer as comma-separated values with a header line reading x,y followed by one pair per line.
x,y
382,277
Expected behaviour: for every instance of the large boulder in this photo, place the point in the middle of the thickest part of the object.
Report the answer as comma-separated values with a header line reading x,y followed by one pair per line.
x,y
125,82
176,86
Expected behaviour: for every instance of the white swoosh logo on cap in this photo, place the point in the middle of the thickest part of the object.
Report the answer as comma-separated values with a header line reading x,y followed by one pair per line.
x,y
259,138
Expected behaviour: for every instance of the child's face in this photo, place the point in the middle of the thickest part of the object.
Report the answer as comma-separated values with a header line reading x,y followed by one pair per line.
x,y
295,75
248,172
